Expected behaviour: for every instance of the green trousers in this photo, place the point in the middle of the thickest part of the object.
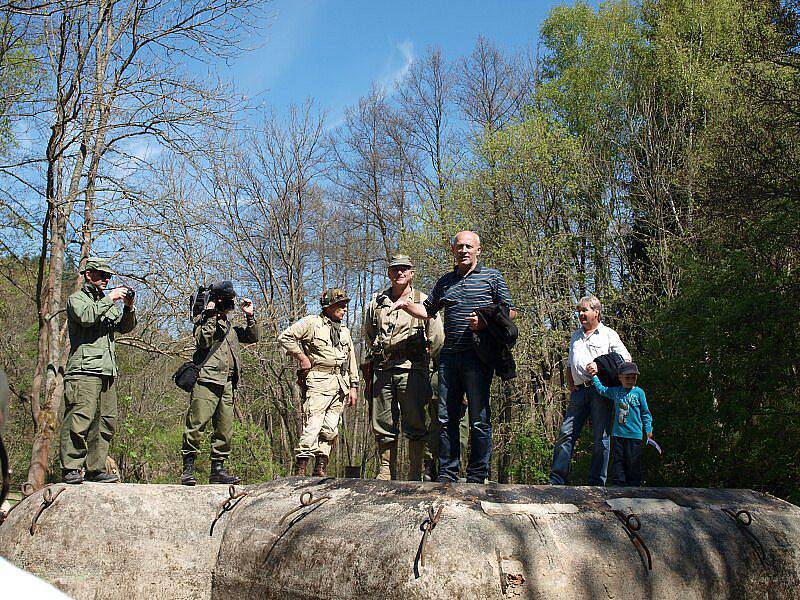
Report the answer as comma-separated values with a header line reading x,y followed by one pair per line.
x,y
210,402
400,397
90,403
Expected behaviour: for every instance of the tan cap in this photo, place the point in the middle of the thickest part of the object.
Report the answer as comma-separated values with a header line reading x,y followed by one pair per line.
x,y
401,260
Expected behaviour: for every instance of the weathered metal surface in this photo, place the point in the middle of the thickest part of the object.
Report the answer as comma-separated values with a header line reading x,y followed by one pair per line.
x,y
496,542
118,541
302,538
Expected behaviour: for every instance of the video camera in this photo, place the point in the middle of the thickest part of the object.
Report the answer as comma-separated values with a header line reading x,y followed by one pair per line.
x,y
221,293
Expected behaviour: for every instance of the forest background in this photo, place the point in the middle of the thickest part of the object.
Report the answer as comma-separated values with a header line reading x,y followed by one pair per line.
x,y
646,152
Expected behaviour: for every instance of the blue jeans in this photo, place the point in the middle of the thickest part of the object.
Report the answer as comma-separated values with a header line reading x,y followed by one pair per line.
x,y
463,373
583,403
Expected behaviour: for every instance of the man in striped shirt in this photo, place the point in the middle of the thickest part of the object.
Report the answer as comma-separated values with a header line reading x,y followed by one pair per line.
x,y
461,292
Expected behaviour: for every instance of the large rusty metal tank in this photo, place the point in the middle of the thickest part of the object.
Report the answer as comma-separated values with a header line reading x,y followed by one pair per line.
x,y
345,538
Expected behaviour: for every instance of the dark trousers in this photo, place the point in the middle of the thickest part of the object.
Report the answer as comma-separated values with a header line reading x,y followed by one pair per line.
x,y
626,461
585,402
463,374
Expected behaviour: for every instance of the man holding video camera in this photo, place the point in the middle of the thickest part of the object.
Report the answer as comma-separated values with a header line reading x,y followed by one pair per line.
x,y
90,398
218,350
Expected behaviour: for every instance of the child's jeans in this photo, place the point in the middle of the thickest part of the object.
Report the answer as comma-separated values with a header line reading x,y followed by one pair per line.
x,y
626,461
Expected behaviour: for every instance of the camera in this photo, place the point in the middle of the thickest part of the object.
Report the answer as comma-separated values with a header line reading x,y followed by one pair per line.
x,y
130,293
221,293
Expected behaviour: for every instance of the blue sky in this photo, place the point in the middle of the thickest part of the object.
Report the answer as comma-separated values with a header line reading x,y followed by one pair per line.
x,y
332,50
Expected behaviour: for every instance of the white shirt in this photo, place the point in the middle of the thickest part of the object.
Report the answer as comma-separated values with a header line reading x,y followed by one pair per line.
x,y
584,349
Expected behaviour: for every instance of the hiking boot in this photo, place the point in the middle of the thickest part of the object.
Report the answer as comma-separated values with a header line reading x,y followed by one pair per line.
x,y
301,466
72,476
102,477
219,475
187,477
321,466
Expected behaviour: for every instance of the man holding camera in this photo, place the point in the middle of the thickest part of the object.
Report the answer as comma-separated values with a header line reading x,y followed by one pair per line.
x,y
328,374
218,349
90,398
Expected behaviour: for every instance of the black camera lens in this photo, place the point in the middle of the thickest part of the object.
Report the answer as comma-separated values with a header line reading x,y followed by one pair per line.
x,y
130,293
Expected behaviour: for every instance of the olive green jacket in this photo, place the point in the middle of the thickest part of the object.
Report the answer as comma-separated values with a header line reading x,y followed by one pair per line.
x,y
206,332
93,319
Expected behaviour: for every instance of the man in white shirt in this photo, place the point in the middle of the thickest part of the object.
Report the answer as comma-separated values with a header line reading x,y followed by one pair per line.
x,y
590,340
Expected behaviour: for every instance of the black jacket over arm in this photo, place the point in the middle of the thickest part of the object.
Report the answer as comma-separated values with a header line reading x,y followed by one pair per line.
x,y
493,343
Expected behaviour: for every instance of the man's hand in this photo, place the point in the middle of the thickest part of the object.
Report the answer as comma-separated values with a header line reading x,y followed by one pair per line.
x,y
210,306
400,303
128,299
475,323
353,396
304,361
117,293
247,307
650,435
591,368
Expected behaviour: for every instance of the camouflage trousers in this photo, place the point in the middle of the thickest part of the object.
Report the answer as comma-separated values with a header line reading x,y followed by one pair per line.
x,y
90,403
210,402
322,408
400,397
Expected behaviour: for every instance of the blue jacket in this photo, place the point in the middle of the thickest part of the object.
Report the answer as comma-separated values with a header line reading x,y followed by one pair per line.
x,y
630,410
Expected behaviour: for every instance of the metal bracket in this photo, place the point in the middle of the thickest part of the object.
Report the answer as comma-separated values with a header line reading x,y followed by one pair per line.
x,y
633,524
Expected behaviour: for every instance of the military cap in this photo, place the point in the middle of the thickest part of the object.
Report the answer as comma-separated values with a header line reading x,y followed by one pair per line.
x,y
401,260
94,263
628,368
333,296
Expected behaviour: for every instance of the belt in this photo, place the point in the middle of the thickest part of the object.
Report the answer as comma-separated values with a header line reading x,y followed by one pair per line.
x,y
328,370
588,384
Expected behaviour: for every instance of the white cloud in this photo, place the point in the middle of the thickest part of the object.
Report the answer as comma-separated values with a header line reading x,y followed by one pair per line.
x,y
394,74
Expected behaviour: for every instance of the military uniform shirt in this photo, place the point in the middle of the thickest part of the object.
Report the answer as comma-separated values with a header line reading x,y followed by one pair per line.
x,y
311,336
391,330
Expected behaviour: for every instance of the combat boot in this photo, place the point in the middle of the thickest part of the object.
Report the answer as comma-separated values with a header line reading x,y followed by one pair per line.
x,y
219,475
429,473
300,466
187,477
320,466
388,457
102,477
416,452
72,476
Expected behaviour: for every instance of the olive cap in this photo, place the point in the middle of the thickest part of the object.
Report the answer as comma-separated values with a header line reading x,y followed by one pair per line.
x,y
94,263
401,260
333,296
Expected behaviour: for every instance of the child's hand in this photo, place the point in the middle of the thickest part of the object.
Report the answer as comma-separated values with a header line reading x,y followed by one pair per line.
x,y
650,436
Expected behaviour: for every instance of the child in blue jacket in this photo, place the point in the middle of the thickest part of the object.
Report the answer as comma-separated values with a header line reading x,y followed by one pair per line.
x,y
631,415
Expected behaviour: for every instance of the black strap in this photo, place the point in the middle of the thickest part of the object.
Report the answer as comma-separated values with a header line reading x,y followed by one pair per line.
x,y
215,346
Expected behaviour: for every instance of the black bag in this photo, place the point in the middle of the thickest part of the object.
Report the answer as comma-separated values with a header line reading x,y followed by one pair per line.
x,y
186,375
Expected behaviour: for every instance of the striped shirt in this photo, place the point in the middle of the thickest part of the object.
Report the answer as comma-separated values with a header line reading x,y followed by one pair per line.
x,y
460,296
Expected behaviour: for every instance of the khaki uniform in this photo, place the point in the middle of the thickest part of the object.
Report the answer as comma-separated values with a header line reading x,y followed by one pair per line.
x,y
334,370
212,396
401,347
90,398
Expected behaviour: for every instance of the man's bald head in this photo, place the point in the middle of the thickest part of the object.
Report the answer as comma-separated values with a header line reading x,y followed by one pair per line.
x,y
466,249
469,234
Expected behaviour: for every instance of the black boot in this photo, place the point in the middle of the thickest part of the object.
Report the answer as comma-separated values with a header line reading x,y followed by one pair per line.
x,y
102,477
218,474
187,477
72,476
